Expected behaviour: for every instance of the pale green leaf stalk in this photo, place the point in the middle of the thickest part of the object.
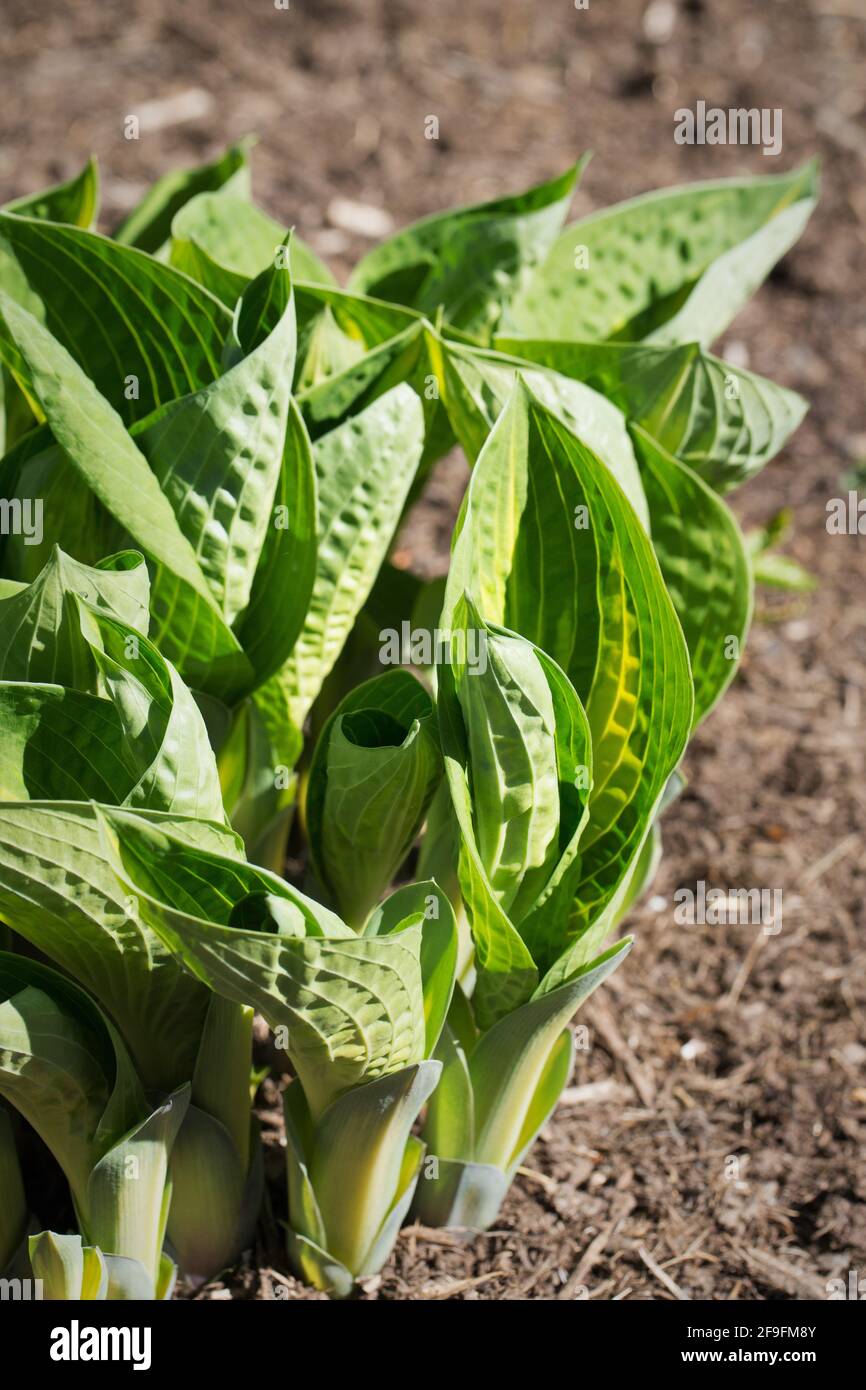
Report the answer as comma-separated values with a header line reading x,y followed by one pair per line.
x,y
65,1068
216,1168
69,1270
497,1091
359,1017
506,1055
352,1175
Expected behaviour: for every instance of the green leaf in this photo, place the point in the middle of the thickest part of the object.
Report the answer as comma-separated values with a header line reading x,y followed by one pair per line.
x,y
364,469
362,318
75,202
40,624
285,573
139,741
776,571
187,621
508,714
261,309
329,351
176,767
425,902
472,260
644,870
141,331
329,400
493,737
372,777
449,1126
548,546
148,226
60,894
700,549
13,1210
255,765
721,421
16,414
217,453
411,356
353,1006
439,852
477,385
511,1060
60,743
676,264
727,285
65,1069
57,509
236,237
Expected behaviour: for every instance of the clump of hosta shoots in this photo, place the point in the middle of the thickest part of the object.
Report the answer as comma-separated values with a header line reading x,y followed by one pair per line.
x,y
197,579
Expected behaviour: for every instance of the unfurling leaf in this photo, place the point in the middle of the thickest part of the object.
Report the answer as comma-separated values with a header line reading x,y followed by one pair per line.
x,y
372,778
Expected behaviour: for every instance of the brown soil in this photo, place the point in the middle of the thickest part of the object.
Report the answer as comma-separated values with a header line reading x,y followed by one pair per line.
x,y
714,1043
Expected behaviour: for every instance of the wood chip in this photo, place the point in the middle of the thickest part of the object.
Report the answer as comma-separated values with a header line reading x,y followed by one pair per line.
x,y
164,112
434,1291
549,1184
623,1204
662,1276
789,1278
639,1077
361,218
732,997
429,1234
595,1093
817,870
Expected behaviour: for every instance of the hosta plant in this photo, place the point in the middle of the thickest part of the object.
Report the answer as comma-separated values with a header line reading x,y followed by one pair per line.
x,y
213,793
359,1015
90,711
63,1065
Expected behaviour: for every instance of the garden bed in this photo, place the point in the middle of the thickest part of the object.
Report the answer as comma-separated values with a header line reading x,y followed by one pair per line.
x,y
713,1042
